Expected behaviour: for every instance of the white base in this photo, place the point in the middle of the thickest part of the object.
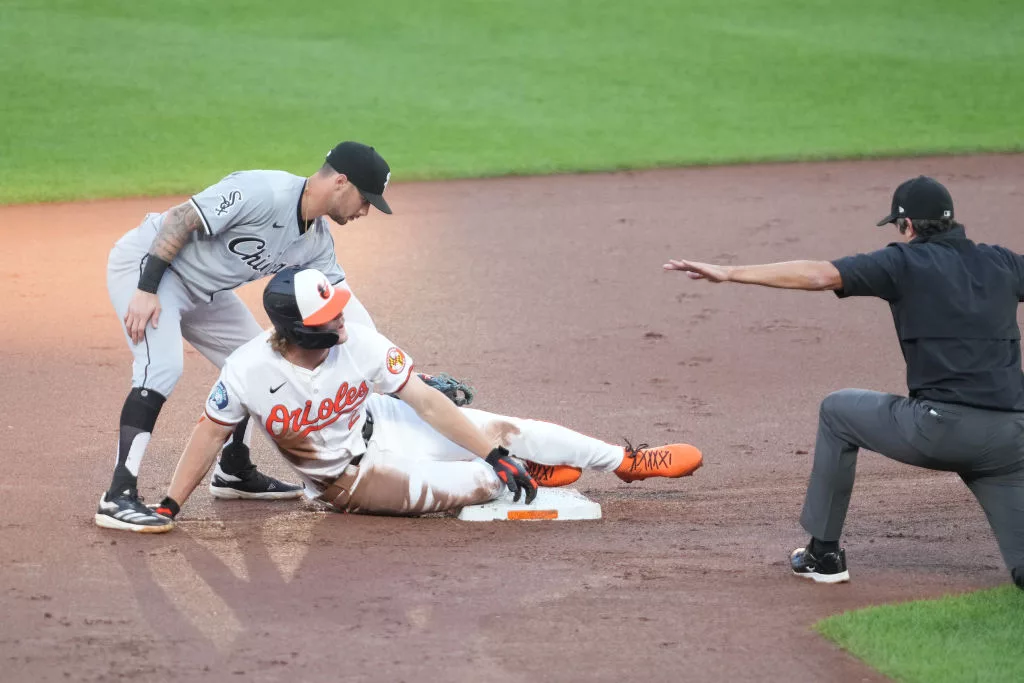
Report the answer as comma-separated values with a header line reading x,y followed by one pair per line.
x,y
550,503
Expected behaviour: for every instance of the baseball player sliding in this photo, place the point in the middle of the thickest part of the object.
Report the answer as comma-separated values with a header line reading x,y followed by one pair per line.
x,y
318,386
171,279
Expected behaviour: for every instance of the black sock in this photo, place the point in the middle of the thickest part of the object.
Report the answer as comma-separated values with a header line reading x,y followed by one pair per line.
x,y
138,416
819,548
235,456
1018,576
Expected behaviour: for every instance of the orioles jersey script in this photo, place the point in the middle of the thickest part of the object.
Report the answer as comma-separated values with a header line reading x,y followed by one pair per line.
x,y
324,408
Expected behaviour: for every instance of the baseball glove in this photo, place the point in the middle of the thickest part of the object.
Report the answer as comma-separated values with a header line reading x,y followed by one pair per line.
x,y
460,393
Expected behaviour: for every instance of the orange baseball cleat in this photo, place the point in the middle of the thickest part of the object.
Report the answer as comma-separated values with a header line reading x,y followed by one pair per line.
x,y
643,462
553,475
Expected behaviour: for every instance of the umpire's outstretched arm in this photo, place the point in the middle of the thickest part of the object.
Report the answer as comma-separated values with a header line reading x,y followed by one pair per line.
x,y
810,275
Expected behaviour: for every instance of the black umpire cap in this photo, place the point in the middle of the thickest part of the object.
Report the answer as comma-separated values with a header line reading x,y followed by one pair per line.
x,y
364,168
921,197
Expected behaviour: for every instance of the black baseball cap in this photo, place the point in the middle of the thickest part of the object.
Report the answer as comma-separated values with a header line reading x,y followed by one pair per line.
x,y
921,197
364,168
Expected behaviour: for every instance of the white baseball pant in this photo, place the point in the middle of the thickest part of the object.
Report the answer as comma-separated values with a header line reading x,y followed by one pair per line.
x,y
411,469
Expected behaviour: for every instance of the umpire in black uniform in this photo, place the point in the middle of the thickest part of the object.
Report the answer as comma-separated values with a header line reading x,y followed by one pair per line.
x,y
954,304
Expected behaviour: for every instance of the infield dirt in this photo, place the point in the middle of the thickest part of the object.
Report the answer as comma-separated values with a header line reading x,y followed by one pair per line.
x,y
548,294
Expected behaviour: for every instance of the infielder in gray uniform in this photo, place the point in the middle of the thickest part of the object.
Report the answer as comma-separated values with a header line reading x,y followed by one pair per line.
x,y
171,280
954,304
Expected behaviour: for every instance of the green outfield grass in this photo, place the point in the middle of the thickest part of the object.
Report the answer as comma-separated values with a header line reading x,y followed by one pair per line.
x,y
106,97
977,637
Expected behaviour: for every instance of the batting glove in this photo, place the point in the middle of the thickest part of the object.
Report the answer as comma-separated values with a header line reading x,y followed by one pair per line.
x,y
168,508
513,474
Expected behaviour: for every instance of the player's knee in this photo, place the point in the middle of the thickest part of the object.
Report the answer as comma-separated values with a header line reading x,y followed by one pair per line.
x,y
834,402
160,374
141,409
488,483
501,432
165,376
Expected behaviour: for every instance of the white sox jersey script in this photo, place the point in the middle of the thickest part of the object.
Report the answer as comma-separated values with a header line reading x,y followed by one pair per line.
x,y
252,228
325,406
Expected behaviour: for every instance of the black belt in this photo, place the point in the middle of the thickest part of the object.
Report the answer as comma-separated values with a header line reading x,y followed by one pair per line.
x,y
368,427
367,435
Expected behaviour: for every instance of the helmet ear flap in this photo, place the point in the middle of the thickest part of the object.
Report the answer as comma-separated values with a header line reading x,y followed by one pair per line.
x,y
282,308
309,338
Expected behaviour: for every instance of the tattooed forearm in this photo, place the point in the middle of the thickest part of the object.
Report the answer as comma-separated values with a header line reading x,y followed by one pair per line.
x,y
180,222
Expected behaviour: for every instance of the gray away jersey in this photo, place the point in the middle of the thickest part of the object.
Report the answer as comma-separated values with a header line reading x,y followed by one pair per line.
x,y
251,229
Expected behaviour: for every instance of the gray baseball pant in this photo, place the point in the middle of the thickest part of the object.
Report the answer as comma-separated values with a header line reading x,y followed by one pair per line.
x,y
985,447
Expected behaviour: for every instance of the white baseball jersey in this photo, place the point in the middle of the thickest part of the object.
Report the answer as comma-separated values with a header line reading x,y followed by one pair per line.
x,y
325,405
252,228
408,467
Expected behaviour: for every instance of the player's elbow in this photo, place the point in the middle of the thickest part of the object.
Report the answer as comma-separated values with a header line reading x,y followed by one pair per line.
x,y
824,276
186,216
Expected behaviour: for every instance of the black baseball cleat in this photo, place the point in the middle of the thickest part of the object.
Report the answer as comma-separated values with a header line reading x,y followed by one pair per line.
x,y
252,484
126,512
829,568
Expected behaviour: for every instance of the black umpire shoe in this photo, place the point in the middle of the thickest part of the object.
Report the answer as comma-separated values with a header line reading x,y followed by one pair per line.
x,y
828,568
250,483
126,511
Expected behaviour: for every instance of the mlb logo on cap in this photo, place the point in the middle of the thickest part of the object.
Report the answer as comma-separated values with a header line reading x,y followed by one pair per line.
x,y
921,198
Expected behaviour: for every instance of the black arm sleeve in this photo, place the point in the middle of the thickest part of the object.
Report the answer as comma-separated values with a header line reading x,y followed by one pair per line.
x,y
152,273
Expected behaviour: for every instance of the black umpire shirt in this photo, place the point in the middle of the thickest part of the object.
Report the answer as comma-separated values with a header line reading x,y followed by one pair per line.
x,y
954,303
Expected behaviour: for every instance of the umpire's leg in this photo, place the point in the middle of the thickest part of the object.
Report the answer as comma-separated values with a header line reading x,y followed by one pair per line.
x,y
851,419
1002,498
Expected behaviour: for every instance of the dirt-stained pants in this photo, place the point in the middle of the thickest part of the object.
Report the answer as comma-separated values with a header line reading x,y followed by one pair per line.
x,y
410,469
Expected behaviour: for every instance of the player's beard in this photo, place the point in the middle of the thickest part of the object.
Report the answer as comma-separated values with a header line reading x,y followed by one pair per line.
x,y
339,219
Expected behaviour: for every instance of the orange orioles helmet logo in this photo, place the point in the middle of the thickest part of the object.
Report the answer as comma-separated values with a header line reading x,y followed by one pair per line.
x,y
396,360
324,289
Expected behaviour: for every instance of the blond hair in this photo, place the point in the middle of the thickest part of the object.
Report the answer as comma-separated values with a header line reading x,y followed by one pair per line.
x,y
278,342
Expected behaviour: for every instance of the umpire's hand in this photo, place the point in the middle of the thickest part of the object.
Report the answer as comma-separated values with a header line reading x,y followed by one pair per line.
x,y
513,474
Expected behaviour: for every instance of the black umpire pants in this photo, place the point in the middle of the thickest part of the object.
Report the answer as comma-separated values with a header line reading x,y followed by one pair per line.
x,y
985,447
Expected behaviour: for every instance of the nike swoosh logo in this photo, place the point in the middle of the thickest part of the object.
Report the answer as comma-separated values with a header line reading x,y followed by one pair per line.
x,y
274,389
278,226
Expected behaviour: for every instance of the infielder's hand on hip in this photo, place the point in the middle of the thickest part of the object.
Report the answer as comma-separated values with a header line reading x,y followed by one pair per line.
x,y
699,271
513,474
144,307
